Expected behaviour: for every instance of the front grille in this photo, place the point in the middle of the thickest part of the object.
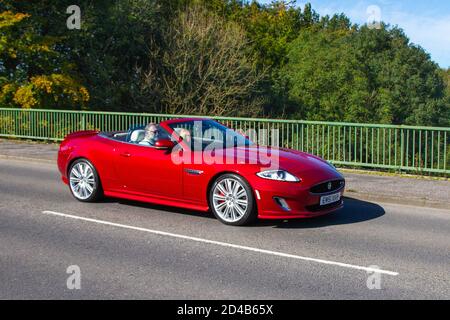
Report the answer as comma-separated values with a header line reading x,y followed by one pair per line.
x,y
327,187
317,207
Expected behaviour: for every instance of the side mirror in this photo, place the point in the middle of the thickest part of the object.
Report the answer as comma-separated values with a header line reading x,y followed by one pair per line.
x,y
164,144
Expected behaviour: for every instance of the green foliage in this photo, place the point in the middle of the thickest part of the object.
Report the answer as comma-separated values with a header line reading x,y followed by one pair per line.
x,y
270,29
32,72
446,76
104,54
113,42
364,75
324,78
402,77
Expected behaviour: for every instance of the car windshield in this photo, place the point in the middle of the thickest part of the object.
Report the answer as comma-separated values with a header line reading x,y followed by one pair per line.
x,y
199,134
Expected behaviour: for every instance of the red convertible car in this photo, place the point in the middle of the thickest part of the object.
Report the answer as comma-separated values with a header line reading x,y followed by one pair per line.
x,y
202,165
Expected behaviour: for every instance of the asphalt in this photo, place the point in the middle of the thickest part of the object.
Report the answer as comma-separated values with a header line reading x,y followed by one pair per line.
x,y
140,251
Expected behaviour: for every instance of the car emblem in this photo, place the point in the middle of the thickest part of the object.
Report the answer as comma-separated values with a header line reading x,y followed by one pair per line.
x,y
329,186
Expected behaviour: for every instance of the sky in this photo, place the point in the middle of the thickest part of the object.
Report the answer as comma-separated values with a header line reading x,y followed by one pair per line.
x,y
425,22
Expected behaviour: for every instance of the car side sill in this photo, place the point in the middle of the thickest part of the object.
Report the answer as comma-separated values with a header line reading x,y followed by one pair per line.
x,y
148,199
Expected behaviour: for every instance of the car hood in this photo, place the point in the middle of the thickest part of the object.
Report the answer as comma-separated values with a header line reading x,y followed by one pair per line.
x,y
305,166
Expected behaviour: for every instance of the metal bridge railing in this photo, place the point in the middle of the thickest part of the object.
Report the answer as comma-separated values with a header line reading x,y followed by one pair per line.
x,y
409,148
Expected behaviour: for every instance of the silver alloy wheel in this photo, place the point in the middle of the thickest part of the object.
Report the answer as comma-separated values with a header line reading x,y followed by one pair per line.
x,y
230,200
82,181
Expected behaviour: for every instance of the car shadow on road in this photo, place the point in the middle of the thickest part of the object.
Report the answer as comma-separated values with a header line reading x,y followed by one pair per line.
x,y
168,209
354,211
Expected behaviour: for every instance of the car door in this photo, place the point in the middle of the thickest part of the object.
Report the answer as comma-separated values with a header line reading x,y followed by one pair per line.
x,y
145,170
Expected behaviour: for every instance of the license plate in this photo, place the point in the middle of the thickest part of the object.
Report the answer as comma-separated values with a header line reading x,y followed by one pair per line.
x,y
332,198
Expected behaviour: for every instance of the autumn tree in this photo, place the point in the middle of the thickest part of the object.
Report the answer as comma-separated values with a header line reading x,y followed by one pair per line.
x,y
31,71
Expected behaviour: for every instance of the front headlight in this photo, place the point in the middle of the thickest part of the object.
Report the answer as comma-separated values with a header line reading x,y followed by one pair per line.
x,y
278,175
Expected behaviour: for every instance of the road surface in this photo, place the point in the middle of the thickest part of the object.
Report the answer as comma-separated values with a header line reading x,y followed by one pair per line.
x,y
129,250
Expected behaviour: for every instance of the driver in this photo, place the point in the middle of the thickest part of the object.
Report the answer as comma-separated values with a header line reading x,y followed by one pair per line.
x,y
151,135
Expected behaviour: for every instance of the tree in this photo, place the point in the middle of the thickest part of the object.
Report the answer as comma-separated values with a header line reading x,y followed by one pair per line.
x,y
32,72
103,55
114,41
446,77
364,75
270,29
404,82
204,68
324,77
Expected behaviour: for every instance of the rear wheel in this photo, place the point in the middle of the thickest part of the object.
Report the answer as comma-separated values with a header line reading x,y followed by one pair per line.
x,y
232,202
84,181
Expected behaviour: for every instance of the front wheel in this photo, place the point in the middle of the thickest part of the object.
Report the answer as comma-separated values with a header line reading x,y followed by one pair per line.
x,y
84,181
232,202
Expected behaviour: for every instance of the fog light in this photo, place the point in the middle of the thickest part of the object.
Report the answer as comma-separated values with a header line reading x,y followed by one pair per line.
x,y
282,203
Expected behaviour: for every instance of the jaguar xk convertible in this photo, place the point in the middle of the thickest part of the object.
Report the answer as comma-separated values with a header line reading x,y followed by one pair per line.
x,y
199,164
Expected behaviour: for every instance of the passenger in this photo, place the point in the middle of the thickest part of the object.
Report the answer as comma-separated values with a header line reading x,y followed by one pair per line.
x,y
186,135
151,135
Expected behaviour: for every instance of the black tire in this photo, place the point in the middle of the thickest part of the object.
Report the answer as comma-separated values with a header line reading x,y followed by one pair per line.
x,y
250,214
97,190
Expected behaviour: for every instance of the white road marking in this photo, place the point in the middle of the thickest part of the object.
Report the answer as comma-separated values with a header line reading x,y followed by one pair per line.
x,y
223,244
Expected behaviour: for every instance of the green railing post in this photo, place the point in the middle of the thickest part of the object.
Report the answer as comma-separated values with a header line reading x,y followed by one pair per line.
x,y
83,121
402,145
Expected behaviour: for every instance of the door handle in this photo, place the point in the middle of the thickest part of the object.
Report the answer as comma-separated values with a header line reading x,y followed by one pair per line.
x,y
125,154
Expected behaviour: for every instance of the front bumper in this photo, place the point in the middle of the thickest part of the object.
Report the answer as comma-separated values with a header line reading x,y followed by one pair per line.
x,y
299,199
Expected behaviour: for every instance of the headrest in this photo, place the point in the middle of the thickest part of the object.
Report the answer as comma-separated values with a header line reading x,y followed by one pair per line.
x,y
137,136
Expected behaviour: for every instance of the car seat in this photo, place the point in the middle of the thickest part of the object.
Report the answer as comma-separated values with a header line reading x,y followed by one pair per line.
x,y
137,136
